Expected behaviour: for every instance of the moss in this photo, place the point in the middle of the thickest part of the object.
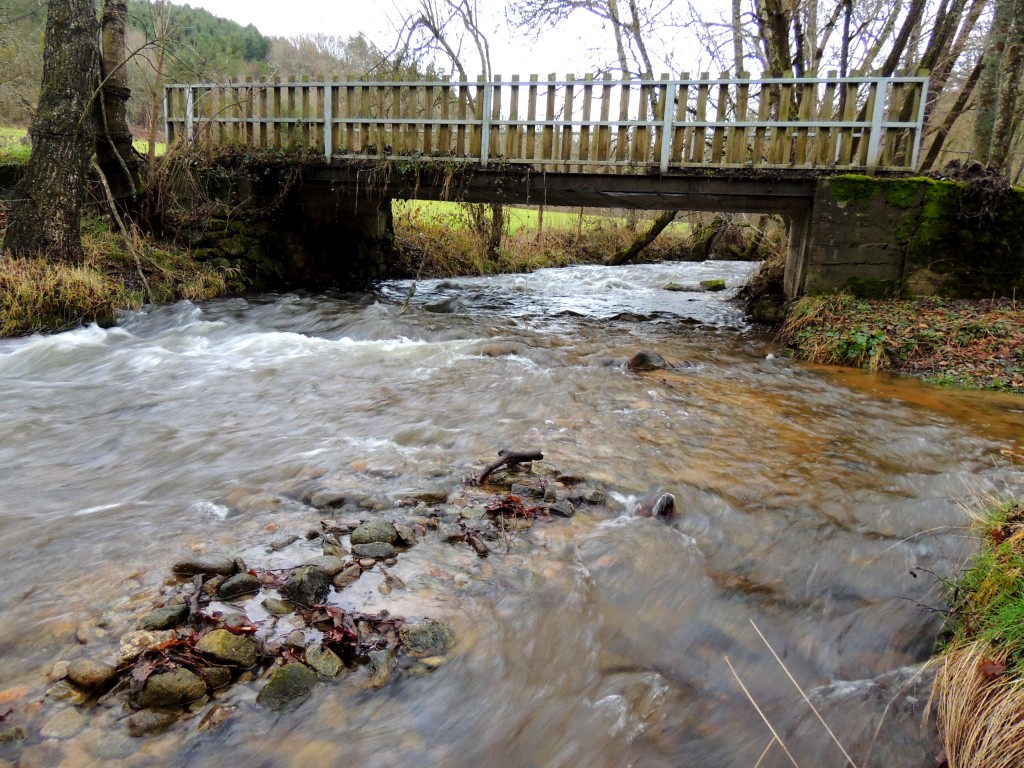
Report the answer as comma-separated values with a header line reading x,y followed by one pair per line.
x,y
854,188
904,193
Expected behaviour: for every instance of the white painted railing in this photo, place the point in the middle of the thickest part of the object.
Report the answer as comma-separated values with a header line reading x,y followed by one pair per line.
x,y
568,124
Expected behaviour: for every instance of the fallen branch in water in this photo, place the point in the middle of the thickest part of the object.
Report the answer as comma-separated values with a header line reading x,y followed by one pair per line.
x,y
505,457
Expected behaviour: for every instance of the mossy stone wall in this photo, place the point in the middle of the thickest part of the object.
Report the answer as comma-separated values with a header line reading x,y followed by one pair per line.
x,y
881,236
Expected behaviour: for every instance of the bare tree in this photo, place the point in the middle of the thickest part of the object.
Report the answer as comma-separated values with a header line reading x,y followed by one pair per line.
x,y
998,113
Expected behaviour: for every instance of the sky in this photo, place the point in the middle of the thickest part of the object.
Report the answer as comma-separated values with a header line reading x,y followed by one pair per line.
x,y
561,52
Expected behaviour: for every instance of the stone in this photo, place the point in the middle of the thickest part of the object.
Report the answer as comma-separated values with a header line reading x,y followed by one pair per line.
x,y
347,577
172,688
523,490
647,361
406,535
365,563
674,287
329,564
149,722
380,667
91,675
451,533
215,677
333,549
134,644
276,607
228,648
375,532
473,513
324,661
64,724
377,550
11,733
109,747
562,509
282,542
239,585
325,498
168,617
296,639
288,686
716,284
429,497
62,690
211,566
594,496
428,637
306,586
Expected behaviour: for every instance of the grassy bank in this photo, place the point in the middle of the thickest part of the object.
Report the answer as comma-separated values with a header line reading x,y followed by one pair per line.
x,y
39,295
970,344
979,687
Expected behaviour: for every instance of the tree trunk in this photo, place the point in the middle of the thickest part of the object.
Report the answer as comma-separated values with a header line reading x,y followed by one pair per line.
x,y
45,217
497,229
114,152
642,241
989,82
951,117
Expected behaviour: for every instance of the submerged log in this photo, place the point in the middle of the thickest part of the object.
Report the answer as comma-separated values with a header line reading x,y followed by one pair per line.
x,y
506,457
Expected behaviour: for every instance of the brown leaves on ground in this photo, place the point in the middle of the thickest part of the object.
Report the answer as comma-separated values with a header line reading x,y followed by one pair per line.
x,y
977,344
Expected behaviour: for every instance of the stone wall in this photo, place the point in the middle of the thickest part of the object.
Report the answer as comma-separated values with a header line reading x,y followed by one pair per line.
x,y
881,236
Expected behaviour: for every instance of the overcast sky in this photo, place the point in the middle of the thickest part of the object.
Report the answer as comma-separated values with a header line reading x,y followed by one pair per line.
x,y
561,53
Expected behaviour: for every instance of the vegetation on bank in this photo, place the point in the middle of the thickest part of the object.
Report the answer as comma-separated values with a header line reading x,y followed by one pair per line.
x,y
979,686
962,343
41,295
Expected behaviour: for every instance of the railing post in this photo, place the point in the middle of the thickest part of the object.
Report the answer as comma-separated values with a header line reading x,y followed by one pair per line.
x,y
485,125
166,105
667,134
190,106
328,120
919,128
881,86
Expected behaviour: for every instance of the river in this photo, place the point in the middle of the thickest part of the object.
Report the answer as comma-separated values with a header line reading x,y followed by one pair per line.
x,y
816,506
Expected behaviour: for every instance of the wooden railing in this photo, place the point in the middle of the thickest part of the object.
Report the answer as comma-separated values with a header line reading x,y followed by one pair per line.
x,y
588,125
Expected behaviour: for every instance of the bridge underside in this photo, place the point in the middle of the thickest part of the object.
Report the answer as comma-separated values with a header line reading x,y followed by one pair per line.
x,y
740,192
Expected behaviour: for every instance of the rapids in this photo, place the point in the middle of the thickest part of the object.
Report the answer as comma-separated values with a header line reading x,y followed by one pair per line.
x,y
820,505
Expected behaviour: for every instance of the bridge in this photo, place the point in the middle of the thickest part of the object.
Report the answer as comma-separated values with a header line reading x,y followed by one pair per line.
x,y
729,144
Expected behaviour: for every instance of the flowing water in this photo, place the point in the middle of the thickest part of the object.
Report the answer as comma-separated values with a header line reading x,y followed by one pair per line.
x,y
816,506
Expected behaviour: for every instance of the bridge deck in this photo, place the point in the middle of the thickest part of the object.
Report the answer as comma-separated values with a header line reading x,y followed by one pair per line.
x,y
586,126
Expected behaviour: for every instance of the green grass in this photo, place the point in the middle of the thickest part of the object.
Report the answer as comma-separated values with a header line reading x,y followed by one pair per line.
x,y
13,148
519,220
987,599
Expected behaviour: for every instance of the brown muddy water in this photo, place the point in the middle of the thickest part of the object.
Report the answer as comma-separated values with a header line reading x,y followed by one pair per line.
x,y
805,500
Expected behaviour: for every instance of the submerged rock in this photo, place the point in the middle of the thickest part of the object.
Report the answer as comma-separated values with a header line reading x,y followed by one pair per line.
x,y
647,361
172,688
149,722
228,648
91,675
63,725
428,637
288,685
713,285
324,661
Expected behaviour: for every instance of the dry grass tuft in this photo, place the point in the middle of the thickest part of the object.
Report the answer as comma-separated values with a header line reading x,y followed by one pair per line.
x,y
980,708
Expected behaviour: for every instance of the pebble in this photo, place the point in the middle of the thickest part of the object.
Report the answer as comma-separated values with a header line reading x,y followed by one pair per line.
x,y
282,542
562,509
329,564
164,618
378,550
406,535
63,725
324,661
366,563
461,580
349,576
288,685
62,690
172,688
239,585
380,667
451,533
134,644
91,675
228,648
277,607
428,637
306,586
149,722
213,566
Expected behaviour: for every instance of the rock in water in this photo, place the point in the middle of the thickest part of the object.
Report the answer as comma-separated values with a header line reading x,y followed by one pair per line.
x,y
660,505
213,566
164,618
306,586
375,532
289,685
647,361
227,648
429,637
90,675
239,585
171,689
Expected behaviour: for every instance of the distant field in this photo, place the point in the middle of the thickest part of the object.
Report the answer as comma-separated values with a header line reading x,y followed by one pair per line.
x,y
518,218
12,148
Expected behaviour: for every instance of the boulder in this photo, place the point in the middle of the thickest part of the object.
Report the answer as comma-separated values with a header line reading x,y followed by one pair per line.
x,y
288,686
228,648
